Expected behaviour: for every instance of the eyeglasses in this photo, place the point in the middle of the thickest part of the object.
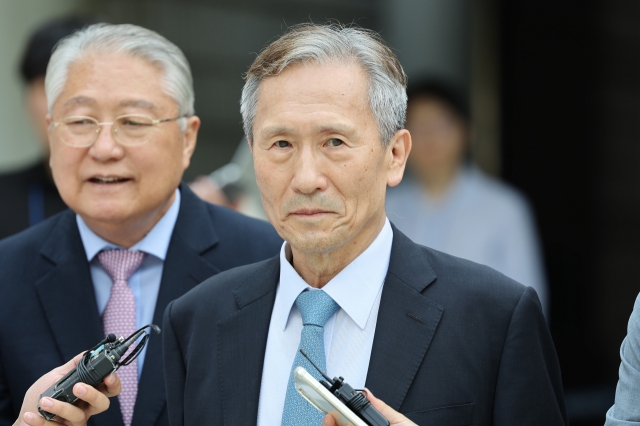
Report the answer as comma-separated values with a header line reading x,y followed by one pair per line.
x,y
130,130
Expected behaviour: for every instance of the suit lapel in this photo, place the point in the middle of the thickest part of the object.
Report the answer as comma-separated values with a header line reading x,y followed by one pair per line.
x,y
406,323
246,331
184,268
68,300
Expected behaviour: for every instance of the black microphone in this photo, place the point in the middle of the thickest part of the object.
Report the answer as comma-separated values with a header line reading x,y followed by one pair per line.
x,y
96,364
352,398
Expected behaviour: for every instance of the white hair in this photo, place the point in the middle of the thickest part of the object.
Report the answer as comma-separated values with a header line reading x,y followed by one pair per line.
x,y
128,39
334,43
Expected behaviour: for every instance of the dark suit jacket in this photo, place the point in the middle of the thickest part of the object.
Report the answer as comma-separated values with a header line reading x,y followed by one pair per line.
x,y
25,193
456,344
48,308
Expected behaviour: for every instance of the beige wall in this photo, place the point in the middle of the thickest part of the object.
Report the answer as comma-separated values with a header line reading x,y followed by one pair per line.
x,y
18,18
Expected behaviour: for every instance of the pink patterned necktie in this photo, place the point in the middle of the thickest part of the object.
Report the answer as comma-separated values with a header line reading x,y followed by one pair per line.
x,y
119,317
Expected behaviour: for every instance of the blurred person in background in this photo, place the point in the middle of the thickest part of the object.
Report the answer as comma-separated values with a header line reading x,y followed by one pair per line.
x,y
447,203
28,196
233,185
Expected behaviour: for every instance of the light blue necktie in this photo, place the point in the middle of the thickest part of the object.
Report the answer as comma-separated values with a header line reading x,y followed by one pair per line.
x,y
316,308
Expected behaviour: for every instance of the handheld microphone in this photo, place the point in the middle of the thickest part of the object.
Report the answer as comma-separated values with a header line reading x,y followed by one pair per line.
x,y
96,364
354,399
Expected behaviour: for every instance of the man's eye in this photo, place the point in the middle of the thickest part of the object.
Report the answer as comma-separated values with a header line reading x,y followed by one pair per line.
x,y
132,122
282,144
80,122
335,142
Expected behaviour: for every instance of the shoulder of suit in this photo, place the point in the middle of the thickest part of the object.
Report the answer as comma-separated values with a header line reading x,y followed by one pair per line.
x,y
470,291
32,238
464,277
219,291
229,223
20,254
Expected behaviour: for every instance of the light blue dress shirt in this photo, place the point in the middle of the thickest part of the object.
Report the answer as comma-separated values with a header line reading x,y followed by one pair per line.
x,y
479,218
626,410
145,282
348,335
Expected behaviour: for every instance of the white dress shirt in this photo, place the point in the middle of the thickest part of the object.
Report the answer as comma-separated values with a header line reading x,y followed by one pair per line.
x,y
145,282
348,335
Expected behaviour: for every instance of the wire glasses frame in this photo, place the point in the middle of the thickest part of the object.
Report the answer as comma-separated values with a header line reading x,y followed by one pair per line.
x,y
80,131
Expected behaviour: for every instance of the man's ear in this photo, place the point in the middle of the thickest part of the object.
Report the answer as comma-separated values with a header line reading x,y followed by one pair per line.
x,y
250,143
398,151
49,134
47,118
189,138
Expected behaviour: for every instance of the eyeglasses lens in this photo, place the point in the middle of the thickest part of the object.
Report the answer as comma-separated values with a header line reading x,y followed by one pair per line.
x,y
133,129
78,131
128,130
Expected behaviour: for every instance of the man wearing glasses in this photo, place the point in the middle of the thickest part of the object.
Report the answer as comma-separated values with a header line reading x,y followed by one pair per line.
x,y
122,131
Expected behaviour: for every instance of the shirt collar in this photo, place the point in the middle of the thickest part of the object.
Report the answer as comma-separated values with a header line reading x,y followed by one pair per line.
x,y
355,288
155,243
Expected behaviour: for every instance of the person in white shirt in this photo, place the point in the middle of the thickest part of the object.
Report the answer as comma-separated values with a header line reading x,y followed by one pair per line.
x,y
447,203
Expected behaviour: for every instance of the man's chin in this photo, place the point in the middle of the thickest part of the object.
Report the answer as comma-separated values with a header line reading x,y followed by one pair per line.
x,y
107,215
320,243
311,222
318,235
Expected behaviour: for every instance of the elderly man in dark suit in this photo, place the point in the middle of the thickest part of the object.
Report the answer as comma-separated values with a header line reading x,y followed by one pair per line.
x,y
122,131
441,340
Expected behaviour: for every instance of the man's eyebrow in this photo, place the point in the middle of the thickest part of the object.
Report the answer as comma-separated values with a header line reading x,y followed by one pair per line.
x,y
80,100
270,132
344,129
335,128
84,100
138,103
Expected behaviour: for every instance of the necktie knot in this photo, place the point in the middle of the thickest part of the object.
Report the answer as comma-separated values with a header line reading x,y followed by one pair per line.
x,y
316,307
120,264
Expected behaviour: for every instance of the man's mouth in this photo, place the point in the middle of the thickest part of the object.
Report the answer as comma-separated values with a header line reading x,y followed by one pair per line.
x,y
309,212
108,179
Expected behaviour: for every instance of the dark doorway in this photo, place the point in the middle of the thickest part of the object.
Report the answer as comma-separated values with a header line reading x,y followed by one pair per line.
x,y
571,103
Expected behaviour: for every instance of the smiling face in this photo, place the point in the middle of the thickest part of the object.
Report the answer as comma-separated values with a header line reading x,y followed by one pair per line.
x,y
319,162
120,191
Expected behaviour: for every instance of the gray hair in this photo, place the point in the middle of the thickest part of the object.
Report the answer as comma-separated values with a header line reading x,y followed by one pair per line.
x,y
129,39
334,43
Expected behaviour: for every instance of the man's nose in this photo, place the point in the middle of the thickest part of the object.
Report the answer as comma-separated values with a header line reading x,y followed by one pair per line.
x,y
308,177
105,147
